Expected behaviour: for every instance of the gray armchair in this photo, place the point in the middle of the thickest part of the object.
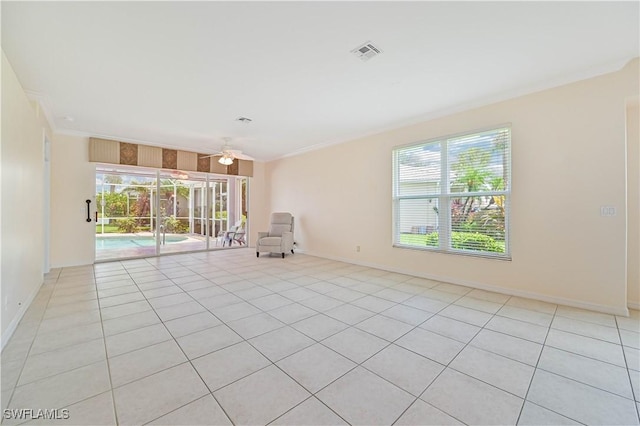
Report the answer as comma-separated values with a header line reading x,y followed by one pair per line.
x,y
279,239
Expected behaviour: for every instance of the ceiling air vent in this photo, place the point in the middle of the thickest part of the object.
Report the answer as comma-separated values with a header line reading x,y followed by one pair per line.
x,y
366,51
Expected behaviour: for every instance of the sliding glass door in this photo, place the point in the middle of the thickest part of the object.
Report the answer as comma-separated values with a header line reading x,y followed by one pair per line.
x,y
181,212
218,211
126,217
145,212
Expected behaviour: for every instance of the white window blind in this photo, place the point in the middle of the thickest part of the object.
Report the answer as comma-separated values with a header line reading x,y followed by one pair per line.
x,y
452,194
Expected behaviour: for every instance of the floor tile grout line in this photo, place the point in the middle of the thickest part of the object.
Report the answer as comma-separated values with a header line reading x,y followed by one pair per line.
x,y
182,406
64,315
633,391
469,344
171,338
550,328
551,410
588,356
84,398
389,343
61,372
429,404
394,343
446,366
47,333
418,398
33,339
378,313
156,372
263,355
277,366
588,337
113,395
189,360
535,368
526,395
67,371
312,396
586,384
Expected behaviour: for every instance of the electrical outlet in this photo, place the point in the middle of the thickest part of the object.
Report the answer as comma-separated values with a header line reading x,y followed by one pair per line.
x,y
358,249
607,211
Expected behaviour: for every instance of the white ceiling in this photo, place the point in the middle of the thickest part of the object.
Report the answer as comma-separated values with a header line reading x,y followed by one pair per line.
x,y
178,74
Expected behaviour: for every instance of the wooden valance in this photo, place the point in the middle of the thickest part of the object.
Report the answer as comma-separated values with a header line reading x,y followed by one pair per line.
x,y
131,154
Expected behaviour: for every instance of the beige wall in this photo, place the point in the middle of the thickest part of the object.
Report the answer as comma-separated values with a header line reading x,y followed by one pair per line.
x,y
23,177
258,203
633,204
73,181
568,160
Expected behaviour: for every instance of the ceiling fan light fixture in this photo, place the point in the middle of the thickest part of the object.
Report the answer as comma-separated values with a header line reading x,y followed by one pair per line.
x,y
226,160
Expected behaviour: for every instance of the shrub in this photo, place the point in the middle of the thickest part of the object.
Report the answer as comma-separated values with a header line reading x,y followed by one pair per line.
x,y
468,241
173,225
475,241
128,224
431,239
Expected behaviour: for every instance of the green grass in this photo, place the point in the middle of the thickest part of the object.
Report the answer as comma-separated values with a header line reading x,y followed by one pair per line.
x,y
108,229
421,241
113,229
413,239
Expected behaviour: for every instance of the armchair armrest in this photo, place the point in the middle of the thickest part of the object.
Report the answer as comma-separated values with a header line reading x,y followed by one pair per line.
x,y
287,240
262,234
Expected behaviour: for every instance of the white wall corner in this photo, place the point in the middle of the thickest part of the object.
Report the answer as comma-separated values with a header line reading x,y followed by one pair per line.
x,y
44,106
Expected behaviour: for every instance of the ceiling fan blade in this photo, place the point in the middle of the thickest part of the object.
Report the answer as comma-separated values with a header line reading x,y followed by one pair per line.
x,y
241,156
219,154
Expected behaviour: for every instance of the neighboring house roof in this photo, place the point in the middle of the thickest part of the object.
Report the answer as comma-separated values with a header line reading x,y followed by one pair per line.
x,y
417,174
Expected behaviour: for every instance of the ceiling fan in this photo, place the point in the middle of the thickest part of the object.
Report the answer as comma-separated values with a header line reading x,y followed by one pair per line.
x,y
227,154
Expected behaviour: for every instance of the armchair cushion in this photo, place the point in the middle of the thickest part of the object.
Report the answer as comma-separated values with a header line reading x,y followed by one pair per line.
x,y
277,230
270,241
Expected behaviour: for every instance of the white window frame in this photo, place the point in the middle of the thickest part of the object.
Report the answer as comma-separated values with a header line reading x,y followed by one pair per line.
x,y
445,196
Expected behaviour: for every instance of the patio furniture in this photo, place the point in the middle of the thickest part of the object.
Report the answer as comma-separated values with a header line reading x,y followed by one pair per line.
x,y
237,236
236,231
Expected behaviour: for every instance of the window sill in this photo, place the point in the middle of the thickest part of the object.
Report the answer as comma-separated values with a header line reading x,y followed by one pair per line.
x,y
454,252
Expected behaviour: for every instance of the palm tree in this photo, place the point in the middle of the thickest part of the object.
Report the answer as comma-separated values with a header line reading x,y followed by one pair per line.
x,y
472,173
113,180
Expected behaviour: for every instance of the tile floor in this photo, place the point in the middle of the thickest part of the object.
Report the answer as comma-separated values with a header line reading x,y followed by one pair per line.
x,y
226,338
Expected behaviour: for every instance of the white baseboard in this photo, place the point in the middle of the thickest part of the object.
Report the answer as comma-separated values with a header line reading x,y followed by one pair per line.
x,y
613,310
633,305
8,333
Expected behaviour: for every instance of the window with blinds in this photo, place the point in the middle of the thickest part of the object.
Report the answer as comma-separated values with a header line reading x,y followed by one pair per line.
x,y
452,194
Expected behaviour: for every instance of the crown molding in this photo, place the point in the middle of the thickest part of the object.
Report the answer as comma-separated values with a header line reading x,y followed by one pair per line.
x,y
44,102
546,84
480,102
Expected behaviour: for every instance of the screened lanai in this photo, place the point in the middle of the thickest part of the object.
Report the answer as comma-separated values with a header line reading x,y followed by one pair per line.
x,y
143,212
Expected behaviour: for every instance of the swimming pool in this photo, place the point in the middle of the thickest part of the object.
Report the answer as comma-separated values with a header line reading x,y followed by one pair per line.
x,y
134,241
